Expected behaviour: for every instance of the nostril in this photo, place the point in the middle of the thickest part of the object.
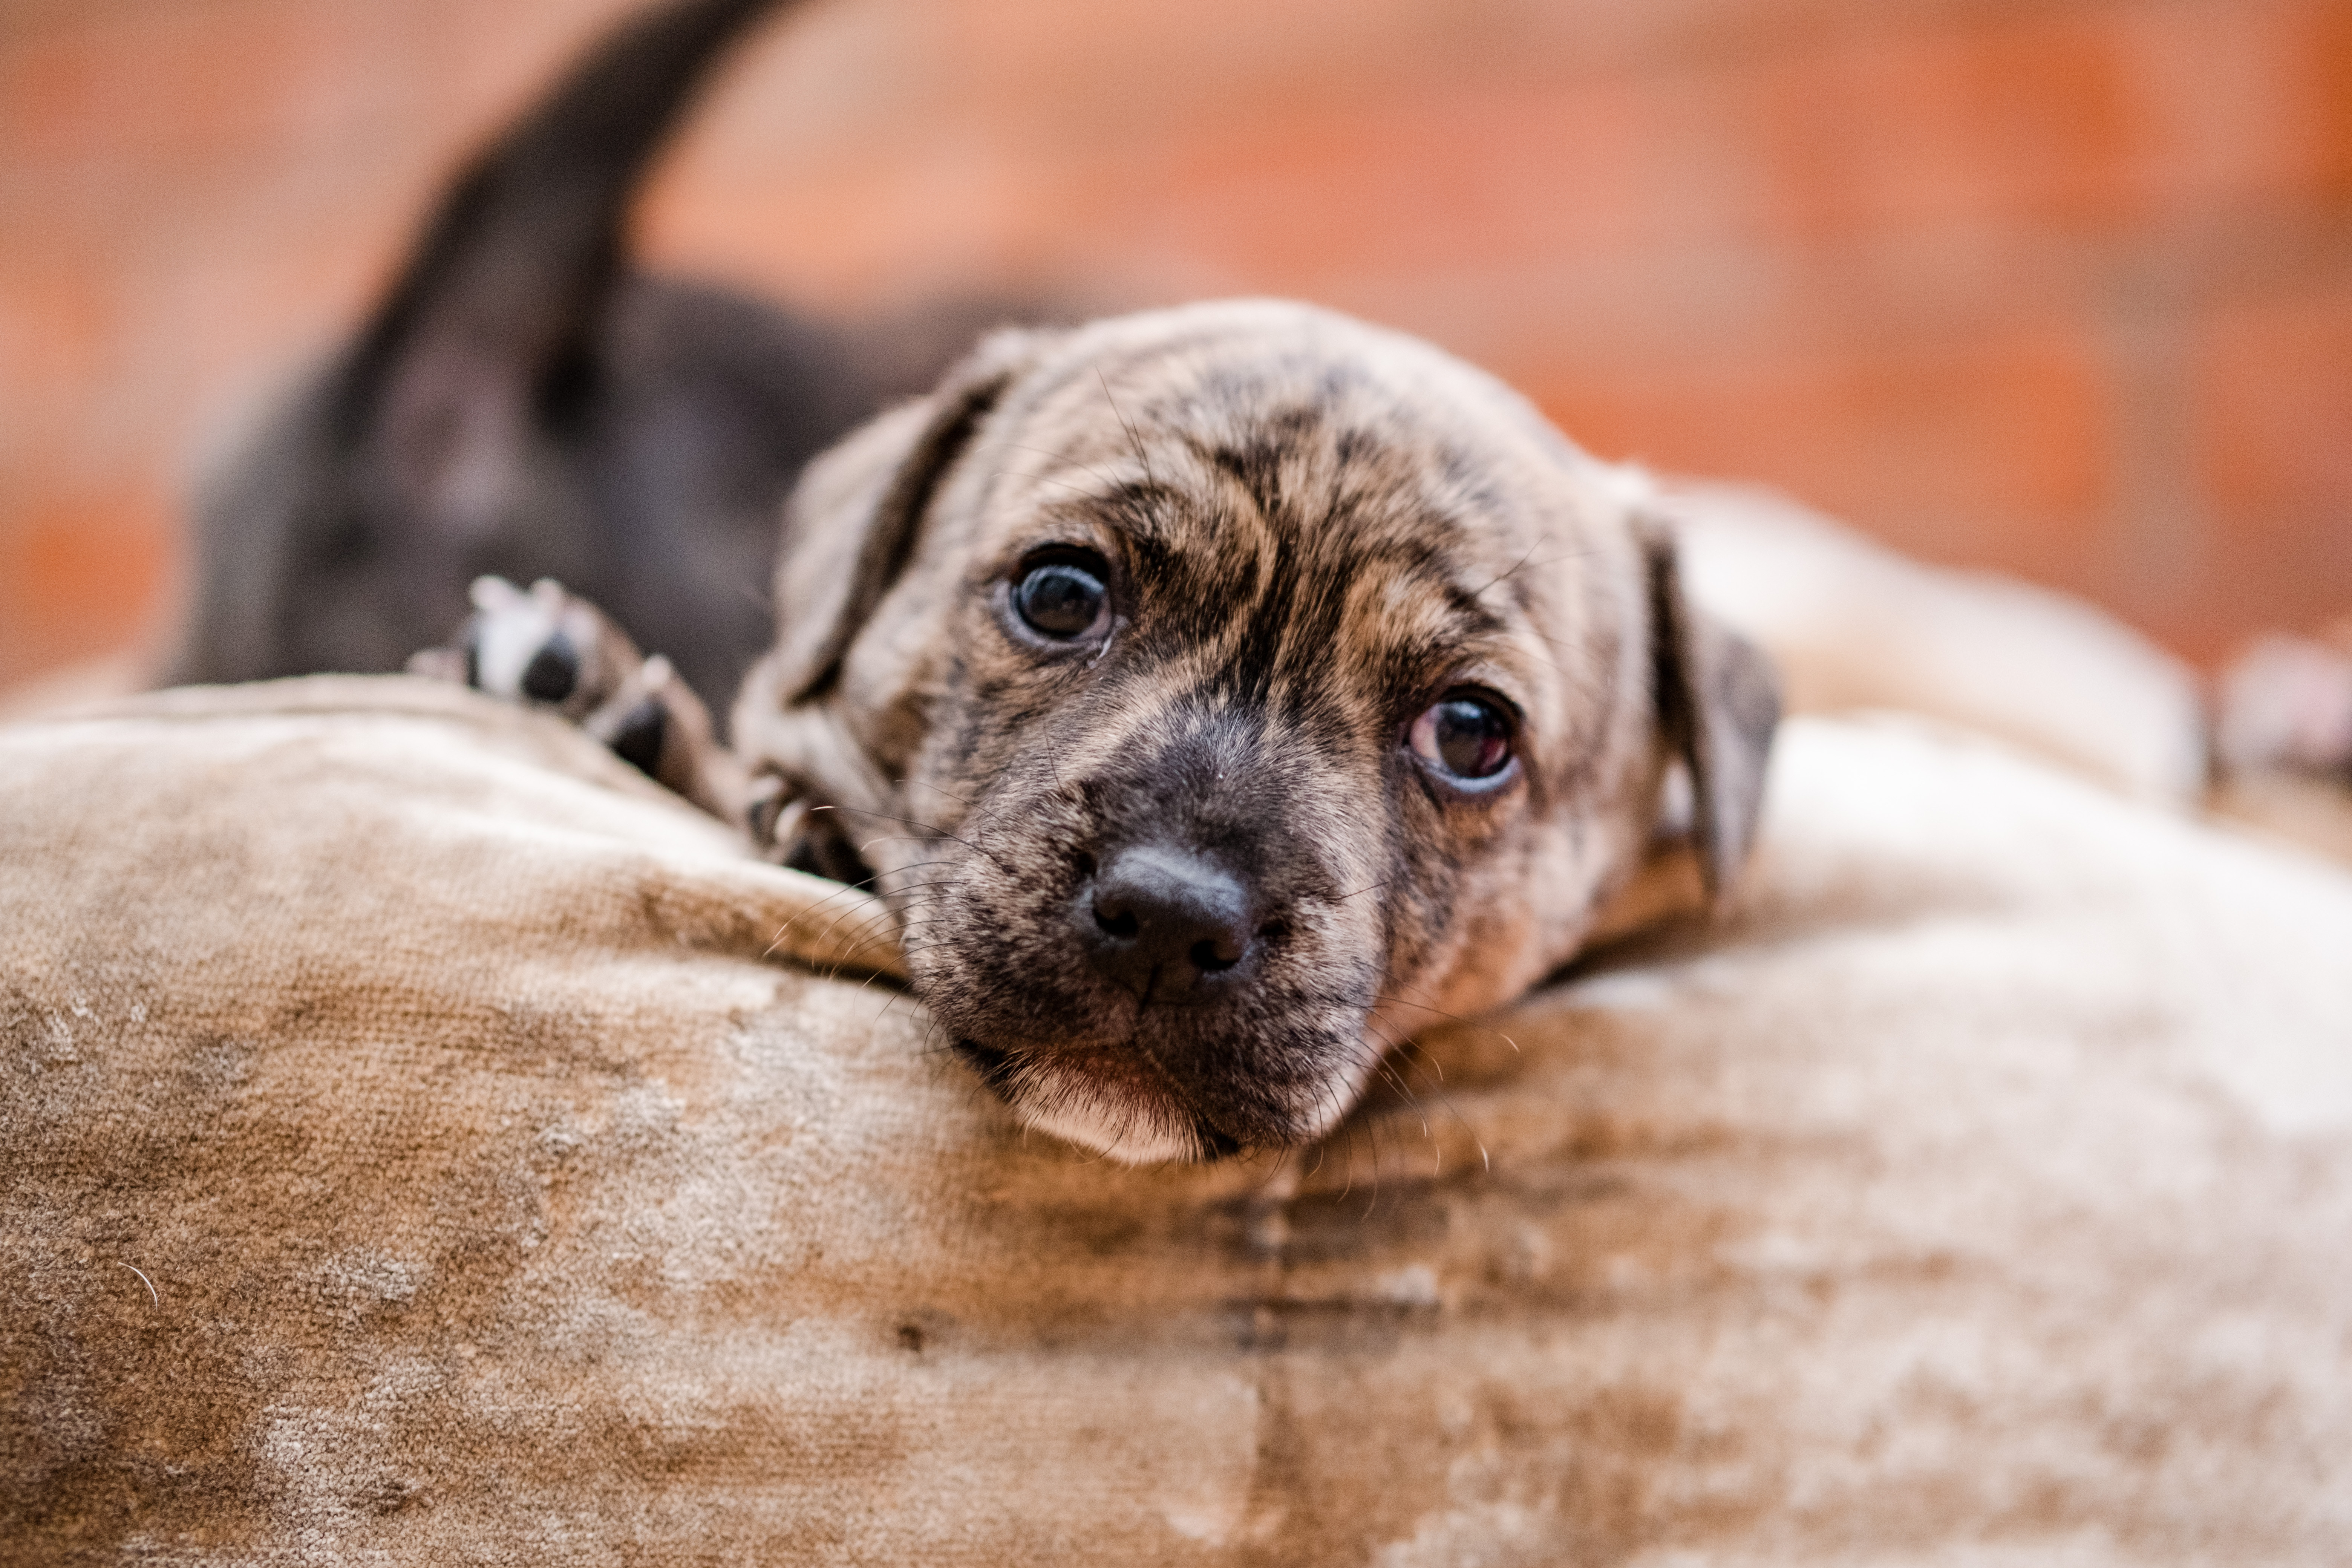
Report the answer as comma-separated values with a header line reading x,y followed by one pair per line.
x,y
1209,960
1114,906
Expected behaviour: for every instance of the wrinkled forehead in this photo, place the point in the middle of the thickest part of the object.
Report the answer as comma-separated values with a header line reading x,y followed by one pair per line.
x,y
1347,476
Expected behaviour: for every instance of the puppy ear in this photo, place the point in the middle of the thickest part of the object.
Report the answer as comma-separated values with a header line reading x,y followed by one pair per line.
x,y
1719,700
854,521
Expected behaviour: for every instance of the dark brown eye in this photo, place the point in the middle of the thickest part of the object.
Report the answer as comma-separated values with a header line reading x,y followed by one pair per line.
x,y
1465,736
1062,598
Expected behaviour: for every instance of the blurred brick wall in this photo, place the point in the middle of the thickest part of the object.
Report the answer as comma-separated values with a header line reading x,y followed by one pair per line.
x,y
2062,288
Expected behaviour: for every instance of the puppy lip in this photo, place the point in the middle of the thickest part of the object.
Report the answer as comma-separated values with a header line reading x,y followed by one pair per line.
x,y
993,1066
987,1058
1215,1143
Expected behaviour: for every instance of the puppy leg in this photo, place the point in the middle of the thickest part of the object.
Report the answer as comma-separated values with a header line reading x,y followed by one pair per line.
x,y
553,649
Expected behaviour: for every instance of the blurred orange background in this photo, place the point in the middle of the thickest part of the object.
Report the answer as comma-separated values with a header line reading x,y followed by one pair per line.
x,y
2064,289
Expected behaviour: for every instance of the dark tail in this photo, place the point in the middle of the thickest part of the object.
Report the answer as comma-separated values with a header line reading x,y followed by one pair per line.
x,y
511,267
342,536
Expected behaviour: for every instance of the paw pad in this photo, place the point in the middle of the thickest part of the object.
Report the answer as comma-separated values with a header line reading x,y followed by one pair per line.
x,y
553,671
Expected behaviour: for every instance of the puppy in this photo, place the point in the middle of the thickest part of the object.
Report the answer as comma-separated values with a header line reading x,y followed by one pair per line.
x,y
1217,695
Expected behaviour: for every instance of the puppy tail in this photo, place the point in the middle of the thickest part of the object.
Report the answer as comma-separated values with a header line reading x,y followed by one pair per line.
x,y
340,534
511,270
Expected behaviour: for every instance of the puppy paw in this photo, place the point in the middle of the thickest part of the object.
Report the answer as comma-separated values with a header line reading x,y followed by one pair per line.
x,y
543,646
797,830
549,648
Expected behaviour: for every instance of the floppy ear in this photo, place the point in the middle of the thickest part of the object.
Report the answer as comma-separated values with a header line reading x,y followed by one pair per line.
x,y
854,520
1719,700
853,524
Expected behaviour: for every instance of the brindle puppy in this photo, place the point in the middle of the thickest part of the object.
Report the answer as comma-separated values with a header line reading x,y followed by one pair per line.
x,y
1215,694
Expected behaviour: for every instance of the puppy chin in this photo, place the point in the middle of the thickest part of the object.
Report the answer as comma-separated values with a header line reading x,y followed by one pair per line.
x,y
1127,1130
1123,1118
1134,1118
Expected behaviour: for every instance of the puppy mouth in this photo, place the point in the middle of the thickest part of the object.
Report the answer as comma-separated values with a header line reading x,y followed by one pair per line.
x,y
1173,1128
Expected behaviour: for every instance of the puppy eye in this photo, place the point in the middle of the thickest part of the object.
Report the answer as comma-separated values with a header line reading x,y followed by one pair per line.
x,y
1465,736
1062,598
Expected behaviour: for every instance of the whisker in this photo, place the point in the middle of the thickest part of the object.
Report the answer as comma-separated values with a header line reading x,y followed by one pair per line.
x,y
1450,1017
935,790
785,930
911,889
1412,1101
1578,554
1100,478
1405,1053
918,866
863,918
1040,478
1133,439
926,827
1522,560
870,934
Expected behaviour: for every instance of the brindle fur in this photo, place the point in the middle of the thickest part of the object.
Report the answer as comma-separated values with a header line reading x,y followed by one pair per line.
x,y
1314,528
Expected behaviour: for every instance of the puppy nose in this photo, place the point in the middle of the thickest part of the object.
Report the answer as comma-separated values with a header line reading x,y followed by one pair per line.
x,y
1160,911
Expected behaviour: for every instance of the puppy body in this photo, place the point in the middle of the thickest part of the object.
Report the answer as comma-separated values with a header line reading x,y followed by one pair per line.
x,y
1314,531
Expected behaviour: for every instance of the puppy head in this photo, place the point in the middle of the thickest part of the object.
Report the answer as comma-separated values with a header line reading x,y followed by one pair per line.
x,y
1221,694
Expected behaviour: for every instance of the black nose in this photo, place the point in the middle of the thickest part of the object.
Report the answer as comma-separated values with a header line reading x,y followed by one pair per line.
x,y
1158,918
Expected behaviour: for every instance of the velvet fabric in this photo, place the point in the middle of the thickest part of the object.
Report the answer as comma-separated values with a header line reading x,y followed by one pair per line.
x,y
421,1141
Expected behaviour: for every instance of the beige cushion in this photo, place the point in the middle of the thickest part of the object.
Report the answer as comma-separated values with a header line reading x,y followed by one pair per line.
x,y
412,1150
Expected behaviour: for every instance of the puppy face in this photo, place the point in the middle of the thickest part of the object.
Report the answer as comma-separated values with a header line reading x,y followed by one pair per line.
x,y
1221,694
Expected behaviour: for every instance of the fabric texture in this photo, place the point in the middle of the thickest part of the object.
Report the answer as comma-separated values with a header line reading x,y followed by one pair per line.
x,y
423,1141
